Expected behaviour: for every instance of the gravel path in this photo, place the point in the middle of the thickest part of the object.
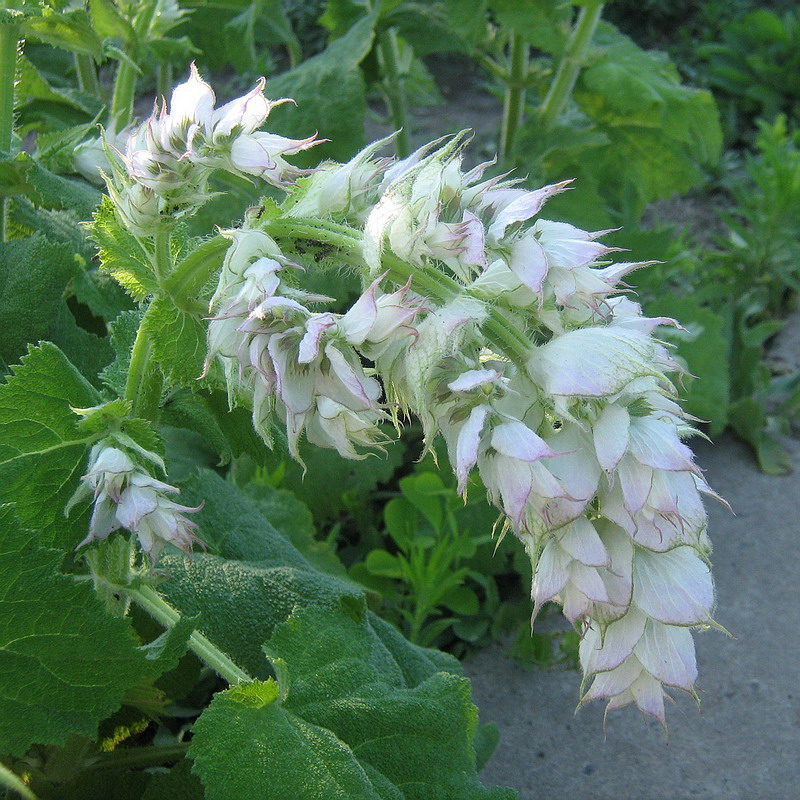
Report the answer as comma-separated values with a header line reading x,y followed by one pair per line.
x,y
744,742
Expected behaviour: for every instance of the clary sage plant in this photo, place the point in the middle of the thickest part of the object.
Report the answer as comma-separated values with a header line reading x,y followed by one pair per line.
x,y
509,335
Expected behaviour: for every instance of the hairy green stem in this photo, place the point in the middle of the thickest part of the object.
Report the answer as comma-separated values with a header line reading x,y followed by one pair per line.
x,y
150,601
132,757
189,277
570,65
87,75
514,99
162,258
502,333
394,85
144,382
123,96
9,37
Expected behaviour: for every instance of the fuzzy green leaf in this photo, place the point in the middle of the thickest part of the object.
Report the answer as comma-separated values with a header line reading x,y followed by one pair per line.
x,y
73,31
229,431
340,722
542,23
178,340
42,449
293,519
65,663
120,254
33,274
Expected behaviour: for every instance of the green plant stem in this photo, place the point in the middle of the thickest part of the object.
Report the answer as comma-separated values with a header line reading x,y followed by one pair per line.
x,y
186,280
133,757
570,65
162,258
9,37
87,75
144,382
164,79
503,334
395,88
492,67
514,99
150,601
123,96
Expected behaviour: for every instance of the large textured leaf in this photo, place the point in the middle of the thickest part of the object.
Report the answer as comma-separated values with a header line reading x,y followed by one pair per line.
x,y
341,721
329,91
660,130
33,274
439,26
42,452
229,431
293,519
64,663
256,580
637,135
542,23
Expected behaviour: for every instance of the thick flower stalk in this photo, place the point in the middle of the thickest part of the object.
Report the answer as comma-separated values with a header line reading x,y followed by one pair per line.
x,y
125,495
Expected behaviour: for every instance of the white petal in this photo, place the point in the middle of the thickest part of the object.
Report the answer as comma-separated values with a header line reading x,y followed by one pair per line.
x,y
245,113
611,431
656,443
588,581
567,246
473,378
635,481
528,262
593,362
134,504
551,574
516,440
583,543
673,587
601,653
356,323
615,681
667,653
192,100
649,695
524,206
467,444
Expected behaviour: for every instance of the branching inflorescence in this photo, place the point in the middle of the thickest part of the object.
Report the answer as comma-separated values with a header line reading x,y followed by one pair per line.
x,y
507,334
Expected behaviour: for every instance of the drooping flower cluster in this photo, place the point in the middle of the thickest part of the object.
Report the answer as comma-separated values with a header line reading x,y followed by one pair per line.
x,y
168,158
127,496
539,373
304,366
507,334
